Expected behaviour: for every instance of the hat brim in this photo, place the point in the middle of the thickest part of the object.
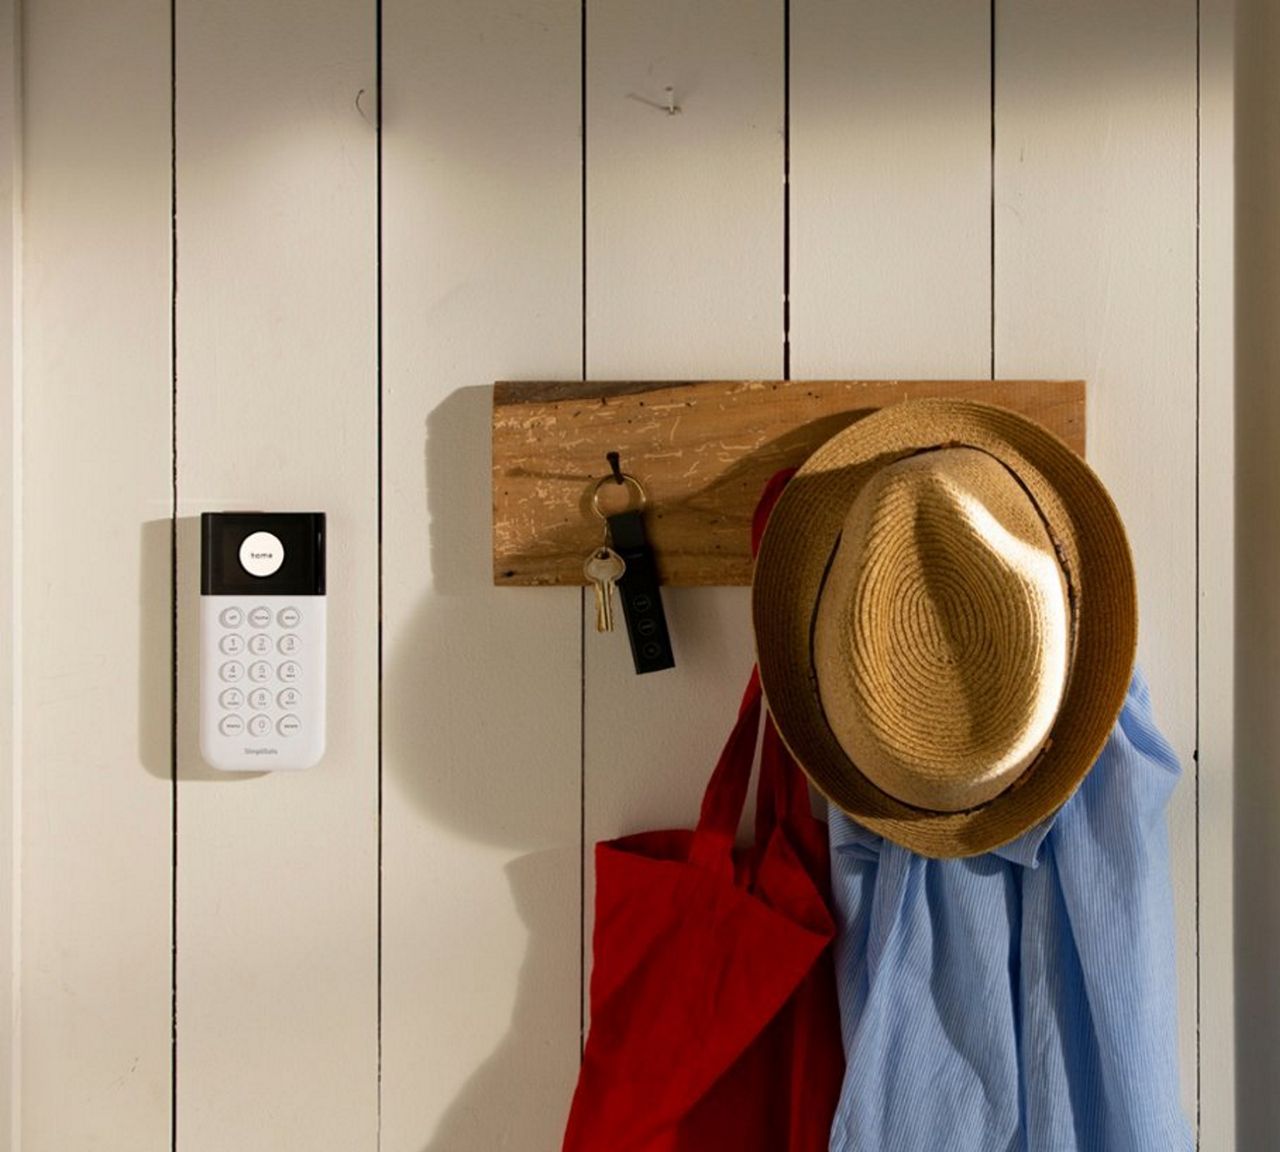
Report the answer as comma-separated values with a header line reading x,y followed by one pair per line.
x,y
1086,528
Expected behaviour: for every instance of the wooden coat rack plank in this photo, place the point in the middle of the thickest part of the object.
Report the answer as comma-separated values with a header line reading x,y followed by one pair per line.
x,y
703,449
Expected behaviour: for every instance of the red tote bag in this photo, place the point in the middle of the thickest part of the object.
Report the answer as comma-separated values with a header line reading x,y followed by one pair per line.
x,y
714,1022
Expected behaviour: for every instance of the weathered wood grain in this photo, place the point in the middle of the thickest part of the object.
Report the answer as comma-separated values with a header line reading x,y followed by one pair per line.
x,y
702,449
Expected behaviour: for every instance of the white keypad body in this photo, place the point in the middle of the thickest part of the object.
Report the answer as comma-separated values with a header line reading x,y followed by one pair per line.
x,y
262,668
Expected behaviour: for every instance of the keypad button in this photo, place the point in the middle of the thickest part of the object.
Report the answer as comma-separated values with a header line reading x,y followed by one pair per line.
x,y
289,644
289,671
231,725
232,671
231,617
289,726
289,698
231,698
231,645
259,699
260,725
260,672
260,644
261,554
260,617
288,617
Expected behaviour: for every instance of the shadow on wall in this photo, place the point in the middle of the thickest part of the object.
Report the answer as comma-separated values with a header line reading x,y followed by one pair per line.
x,y
471,740
458,689
1257,633
519,1097
155,696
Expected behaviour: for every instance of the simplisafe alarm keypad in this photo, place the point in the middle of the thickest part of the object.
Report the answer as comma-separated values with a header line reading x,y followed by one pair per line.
x,y
263,632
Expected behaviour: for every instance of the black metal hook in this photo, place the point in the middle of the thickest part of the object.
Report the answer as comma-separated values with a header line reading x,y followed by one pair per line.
x,y
616,467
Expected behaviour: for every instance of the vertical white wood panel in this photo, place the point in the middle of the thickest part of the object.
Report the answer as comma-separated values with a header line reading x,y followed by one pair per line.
x,y
1095,278
684,280
95,802
277,409
1216,546
890,189
482,260
10,619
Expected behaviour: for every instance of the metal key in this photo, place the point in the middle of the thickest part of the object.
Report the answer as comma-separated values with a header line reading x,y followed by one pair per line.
x,y
604,568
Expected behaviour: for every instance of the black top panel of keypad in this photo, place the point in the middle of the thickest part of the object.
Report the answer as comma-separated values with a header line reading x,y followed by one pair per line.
x,y
300,574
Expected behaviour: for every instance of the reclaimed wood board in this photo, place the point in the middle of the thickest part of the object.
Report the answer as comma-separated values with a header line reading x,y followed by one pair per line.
x,y
702,449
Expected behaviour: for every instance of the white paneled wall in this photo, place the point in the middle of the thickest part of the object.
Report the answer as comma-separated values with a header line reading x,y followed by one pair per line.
x,y
273,255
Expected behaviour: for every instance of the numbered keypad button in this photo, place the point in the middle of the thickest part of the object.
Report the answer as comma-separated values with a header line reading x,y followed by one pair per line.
x,y
260,672
289,671
231,617
231,698
259,644
260,699
231,645
260,725
260,617
289,644
288,617
232,672
289,726
231,725
289,698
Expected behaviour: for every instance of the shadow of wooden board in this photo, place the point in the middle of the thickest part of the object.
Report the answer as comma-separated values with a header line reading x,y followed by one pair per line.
x,y
703,451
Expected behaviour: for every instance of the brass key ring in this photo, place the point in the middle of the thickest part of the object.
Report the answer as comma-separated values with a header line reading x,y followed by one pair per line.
x,y
628,480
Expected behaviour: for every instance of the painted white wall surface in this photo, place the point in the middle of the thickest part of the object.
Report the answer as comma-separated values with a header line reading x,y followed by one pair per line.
x,y
274,255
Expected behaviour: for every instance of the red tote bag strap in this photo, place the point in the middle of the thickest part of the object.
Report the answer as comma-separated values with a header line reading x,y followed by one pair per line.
x,y
726,793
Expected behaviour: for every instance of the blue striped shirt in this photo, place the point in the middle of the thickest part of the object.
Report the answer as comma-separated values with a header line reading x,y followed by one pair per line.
x,y
1021,1001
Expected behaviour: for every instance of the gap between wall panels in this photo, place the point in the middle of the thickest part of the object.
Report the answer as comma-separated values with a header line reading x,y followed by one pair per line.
x,y
377,53
174,688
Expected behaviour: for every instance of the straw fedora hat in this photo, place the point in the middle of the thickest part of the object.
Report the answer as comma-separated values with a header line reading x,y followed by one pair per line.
x,y
945,618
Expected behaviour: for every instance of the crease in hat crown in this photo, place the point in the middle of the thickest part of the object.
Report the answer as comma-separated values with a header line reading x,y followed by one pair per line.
x,y
941,634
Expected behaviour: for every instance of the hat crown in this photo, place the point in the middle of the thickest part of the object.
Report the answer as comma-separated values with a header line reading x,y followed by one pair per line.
x,y
941,636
